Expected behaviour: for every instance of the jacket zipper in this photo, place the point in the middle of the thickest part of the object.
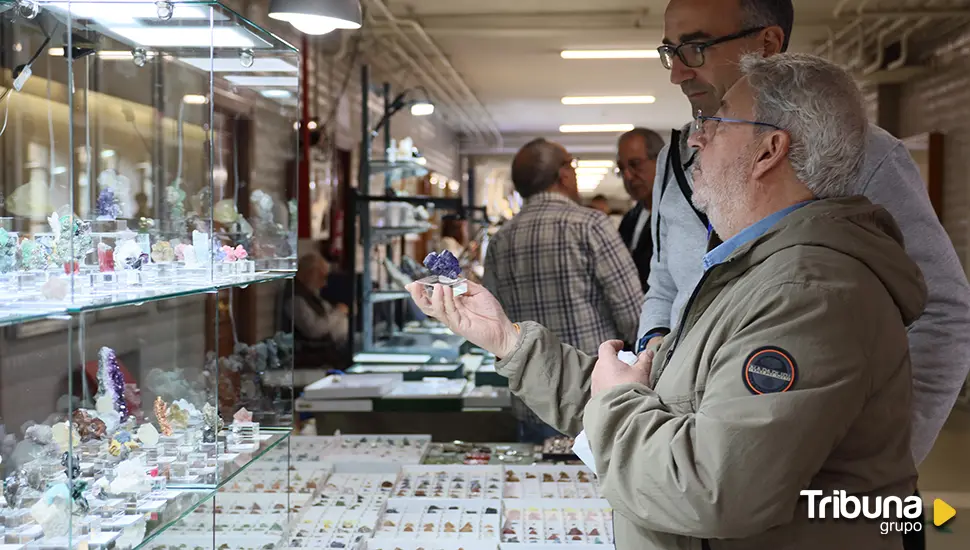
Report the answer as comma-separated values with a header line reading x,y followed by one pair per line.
x,y
683,323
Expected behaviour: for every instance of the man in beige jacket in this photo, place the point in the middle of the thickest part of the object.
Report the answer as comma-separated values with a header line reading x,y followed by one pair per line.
x,y
789,371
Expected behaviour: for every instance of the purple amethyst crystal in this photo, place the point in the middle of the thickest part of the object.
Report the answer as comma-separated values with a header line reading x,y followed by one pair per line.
x,y
107,206
443,265
111,381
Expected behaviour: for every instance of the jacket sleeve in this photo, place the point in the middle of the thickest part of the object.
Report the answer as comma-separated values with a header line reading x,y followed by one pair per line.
x,y
939,348
734,467
661,291
617,276
551,378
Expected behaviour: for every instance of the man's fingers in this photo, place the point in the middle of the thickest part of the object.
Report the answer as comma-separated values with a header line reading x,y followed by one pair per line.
x,y
448,299
420,297
437,304
644,361
610,348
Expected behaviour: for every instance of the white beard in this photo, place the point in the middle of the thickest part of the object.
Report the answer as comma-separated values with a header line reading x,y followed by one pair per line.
x,y
722,194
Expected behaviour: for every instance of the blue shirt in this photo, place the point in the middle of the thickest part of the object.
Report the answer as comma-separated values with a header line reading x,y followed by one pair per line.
x,y
746,235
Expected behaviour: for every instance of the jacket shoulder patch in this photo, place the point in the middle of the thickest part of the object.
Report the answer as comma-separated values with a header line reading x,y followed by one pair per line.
x,y
769,370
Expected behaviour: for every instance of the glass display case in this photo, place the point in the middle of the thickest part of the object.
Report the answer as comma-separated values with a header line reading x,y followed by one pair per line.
x,y
147,247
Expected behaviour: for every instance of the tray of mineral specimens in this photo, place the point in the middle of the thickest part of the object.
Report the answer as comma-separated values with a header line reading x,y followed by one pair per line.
x,y
533,482
401,544
557,521
451,482
357,449
301,481
440,519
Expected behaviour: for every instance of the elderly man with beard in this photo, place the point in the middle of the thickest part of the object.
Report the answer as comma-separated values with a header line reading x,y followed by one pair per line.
x,y
790,369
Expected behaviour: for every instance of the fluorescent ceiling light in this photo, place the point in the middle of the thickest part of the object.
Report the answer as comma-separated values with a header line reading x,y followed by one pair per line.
x,y
596,164
582,128
608,100
195,99
265,81
422,108
610,54
198,37
232,65
587,170
277,94
317,16
107,153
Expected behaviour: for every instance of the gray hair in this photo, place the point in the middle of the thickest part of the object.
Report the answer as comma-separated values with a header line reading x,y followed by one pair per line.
x,y
652,141
821,108
535,167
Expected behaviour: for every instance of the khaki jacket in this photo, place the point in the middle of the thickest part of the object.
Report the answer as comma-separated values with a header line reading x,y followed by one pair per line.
x,y
790,371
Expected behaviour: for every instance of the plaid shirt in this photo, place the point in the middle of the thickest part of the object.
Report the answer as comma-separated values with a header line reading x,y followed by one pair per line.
x,y
565,267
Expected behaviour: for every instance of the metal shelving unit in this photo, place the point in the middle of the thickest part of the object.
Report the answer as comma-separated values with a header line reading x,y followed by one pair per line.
x,y
359,208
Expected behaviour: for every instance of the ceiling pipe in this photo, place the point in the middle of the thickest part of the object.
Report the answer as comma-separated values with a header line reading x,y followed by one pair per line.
x,y
386,12
447,97
904,45
461,81
466,120
881,47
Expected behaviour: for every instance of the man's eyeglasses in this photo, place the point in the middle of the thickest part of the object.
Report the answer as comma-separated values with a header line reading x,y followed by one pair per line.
x,y
700,119
691,53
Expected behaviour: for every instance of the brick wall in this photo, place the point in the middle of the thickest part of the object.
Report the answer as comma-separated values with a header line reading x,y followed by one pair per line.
x,y
940,101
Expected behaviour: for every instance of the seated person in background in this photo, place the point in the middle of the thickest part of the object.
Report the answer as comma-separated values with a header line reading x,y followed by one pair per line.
x,y
316,322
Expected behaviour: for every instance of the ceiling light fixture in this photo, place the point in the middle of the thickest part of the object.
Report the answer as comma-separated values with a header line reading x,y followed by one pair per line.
x,y
608,100
277,94
422,108
610,54
317,16
588,171
584,128
195,99
596,164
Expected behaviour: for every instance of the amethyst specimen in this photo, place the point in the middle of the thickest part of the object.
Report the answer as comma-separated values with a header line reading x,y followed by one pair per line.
x,y
111,381
108,207
443,265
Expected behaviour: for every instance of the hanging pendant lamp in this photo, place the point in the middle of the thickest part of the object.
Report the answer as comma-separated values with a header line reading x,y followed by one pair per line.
x,y
317,16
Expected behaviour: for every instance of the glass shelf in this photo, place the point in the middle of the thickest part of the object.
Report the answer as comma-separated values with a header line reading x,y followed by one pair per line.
x,y
399,169
193,496
383,234
25,311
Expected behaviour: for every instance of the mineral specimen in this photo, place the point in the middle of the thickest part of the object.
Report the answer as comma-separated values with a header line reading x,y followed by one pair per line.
x,y
8,251
161,413
111,382
88,426
444,264
108,205
162,251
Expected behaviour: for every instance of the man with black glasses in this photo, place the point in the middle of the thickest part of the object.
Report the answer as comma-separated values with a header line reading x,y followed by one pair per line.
x,y
703,43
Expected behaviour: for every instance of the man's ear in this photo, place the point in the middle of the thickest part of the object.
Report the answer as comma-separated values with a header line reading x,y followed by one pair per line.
x,y
772,41
772,152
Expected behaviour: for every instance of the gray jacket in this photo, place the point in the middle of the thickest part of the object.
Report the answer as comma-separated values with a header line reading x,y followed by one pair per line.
x,y
939,348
